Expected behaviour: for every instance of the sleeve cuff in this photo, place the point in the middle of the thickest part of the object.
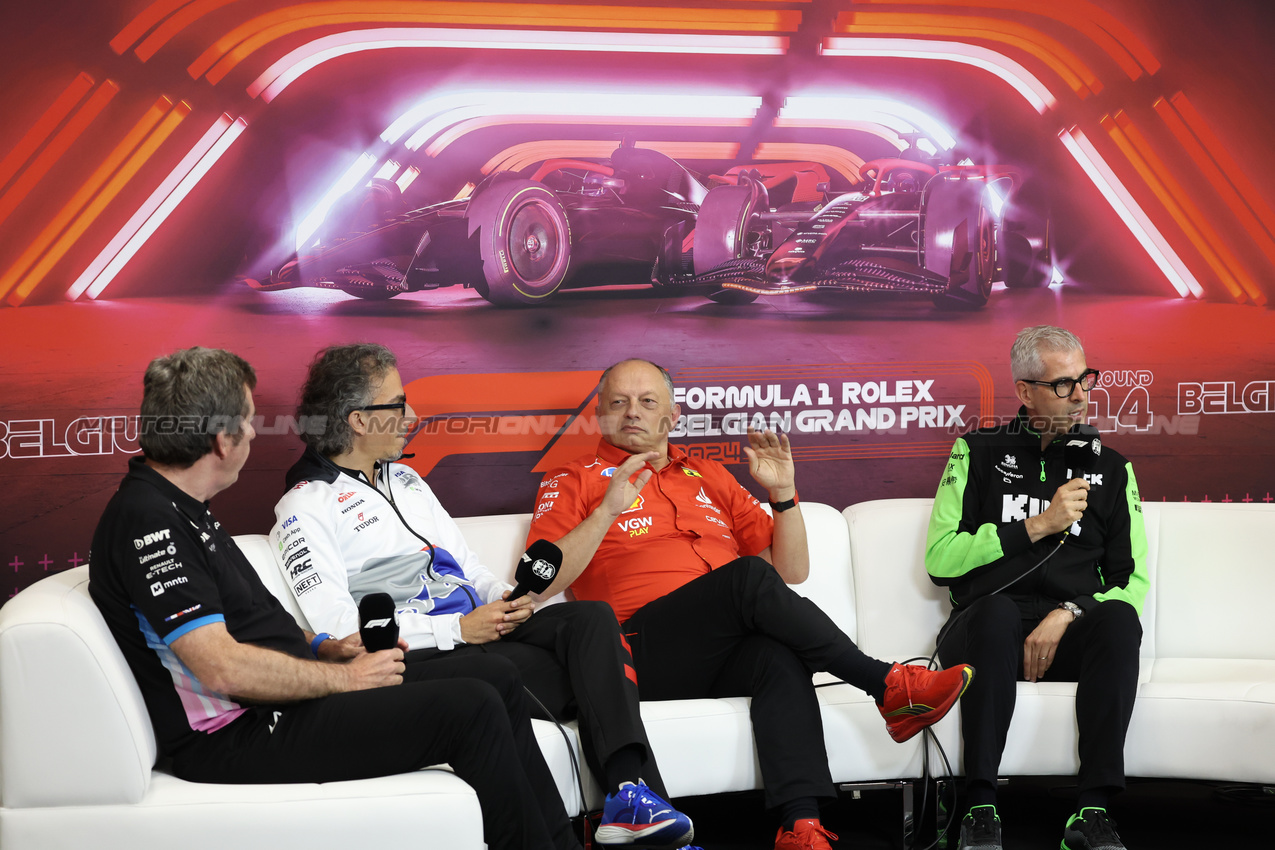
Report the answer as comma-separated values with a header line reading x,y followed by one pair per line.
x,y
449,638
1014,538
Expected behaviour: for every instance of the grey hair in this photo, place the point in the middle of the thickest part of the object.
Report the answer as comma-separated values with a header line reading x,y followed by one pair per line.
x,y
189,397
668,379
1025,354
342,378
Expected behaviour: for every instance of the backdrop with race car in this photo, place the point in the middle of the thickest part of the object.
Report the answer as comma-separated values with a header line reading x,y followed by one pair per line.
x,y
948,231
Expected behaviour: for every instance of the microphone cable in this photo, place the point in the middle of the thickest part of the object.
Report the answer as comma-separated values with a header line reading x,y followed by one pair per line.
x,y
929,737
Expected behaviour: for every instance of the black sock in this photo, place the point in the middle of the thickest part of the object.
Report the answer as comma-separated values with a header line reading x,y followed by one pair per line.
x,y
624,765
980,793
798,809
1094,798
862,671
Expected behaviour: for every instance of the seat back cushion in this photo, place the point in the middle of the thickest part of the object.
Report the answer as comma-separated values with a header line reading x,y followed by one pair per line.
x,y
901,610
73,726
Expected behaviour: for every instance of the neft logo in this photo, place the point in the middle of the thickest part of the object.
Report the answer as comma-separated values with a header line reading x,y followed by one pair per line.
x,y
150,539
306,585
637,525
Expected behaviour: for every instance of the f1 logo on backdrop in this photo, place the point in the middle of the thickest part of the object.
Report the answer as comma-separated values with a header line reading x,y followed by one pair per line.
x,y
849,410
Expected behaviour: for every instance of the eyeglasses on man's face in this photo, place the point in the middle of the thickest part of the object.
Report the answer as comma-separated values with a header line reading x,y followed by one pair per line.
x,y
1063,387
400,406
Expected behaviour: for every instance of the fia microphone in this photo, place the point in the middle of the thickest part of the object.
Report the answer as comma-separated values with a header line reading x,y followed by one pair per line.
x,y
378,622
537,568
1082,449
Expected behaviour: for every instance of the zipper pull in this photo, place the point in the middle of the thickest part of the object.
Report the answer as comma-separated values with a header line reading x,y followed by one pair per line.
x,y
1042,469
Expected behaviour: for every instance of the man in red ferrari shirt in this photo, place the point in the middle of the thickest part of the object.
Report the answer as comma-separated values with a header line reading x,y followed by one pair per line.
x,y
697,573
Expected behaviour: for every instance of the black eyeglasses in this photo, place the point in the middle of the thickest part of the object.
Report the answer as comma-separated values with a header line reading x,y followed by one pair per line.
x,y
1064,387
400,406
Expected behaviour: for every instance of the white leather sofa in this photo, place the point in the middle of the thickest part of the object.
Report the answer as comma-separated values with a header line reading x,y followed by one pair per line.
x,y
77,752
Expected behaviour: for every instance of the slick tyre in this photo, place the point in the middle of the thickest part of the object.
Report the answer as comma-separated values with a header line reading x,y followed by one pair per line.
x,y
722,233
960,240
523,240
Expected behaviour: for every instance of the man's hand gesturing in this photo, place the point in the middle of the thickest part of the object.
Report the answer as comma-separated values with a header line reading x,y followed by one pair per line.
x,y
770,463
621,492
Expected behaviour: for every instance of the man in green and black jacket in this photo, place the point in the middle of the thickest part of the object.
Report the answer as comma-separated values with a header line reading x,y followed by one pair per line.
x,y
1006,500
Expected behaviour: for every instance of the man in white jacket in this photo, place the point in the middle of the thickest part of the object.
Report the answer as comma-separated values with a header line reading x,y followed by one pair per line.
x,y
353,522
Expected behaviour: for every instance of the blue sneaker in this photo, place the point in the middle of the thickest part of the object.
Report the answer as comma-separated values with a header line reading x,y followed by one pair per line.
x,y
637,816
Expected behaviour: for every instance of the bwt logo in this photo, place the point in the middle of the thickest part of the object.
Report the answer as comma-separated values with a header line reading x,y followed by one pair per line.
x,y
150,539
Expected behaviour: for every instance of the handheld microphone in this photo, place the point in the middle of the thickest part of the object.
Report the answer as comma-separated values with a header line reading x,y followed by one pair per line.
x,y
537,568
1082,449
378,622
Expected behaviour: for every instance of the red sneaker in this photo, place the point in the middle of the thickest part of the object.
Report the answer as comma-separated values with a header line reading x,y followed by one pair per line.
x,y
916,697
807,834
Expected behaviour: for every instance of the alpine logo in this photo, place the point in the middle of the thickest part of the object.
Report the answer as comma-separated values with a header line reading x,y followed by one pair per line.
x,y
151,539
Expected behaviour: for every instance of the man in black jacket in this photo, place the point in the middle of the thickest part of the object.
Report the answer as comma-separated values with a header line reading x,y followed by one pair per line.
x,y
236,691
1046,570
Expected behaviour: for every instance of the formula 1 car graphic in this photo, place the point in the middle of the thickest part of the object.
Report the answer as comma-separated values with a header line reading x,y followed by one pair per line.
x,y
945,231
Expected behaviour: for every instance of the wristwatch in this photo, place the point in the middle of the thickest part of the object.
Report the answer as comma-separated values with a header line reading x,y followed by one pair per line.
x,y
1076,611
780,507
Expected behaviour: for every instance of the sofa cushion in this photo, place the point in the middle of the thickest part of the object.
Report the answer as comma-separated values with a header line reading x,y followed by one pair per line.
x,y
73,726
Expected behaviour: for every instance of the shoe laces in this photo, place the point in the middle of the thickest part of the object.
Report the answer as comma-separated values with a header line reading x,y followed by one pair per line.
x,y
808,832
983,825
1099,826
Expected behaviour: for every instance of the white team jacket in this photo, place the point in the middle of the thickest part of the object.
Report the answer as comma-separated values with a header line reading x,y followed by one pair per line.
x,y
337,538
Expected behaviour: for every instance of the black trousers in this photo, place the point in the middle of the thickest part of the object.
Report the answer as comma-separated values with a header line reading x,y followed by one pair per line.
x,y
1099,652
740,631
572,657
472,716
